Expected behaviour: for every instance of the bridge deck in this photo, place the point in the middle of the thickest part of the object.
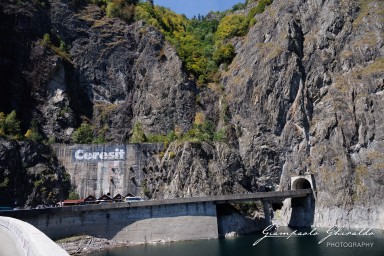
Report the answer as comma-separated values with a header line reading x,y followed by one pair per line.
x,y
215,199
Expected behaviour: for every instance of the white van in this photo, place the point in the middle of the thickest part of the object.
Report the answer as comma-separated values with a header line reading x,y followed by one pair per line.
x,y
133,199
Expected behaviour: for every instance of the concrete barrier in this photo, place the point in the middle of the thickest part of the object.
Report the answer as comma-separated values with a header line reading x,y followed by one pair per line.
x,y
28,240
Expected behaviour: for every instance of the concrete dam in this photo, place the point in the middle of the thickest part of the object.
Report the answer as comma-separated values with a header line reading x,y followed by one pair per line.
x,y
147,221
107,168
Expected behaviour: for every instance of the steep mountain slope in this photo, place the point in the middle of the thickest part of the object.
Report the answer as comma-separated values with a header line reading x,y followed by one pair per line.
x,y
303,94
306,92
115,74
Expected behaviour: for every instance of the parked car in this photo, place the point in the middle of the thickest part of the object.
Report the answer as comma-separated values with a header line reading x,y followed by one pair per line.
x,y
133,199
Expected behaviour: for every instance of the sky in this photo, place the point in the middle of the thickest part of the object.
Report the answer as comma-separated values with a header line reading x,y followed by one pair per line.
x,y
194,7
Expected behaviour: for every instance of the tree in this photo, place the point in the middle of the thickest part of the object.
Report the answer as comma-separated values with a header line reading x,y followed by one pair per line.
x,y
33,132
12,125
73,195
224,54
231,26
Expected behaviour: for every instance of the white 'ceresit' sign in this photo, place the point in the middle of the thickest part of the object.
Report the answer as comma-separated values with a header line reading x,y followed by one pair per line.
x,y
102,155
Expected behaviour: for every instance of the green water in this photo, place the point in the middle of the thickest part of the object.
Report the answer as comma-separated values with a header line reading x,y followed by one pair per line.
x,y
243,246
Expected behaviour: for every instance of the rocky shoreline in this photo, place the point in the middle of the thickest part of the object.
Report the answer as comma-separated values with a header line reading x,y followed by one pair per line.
x,y
84,245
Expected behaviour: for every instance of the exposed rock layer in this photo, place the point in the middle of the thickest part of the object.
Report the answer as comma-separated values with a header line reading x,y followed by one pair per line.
x,y
30,175
304,93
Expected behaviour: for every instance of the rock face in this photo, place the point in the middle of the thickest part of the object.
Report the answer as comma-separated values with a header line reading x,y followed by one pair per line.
x,y
129,72
196,169
306,90
304,94
115,74
30,175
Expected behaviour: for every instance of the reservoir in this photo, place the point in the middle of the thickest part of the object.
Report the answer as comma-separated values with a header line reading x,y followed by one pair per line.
x,y
347,245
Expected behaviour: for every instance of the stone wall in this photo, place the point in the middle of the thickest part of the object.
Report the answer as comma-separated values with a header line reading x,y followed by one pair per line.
x,y
107,168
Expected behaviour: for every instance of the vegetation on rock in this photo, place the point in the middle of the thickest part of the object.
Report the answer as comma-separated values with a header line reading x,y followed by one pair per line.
x,y
10,126
201,42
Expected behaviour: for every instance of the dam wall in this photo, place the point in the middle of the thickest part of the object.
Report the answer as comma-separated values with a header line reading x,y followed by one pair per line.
x,y
106,168
127,223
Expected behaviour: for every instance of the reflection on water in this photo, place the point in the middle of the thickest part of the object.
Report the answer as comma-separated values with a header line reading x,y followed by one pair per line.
x,y
294,246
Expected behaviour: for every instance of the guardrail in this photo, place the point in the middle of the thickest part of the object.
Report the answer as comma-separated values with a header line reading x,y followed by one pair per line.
x,y
29,239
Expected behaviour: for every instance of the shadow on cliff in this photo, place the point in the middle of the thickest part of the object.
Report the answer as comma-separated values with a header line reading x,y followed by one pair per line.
x,y
230,219
303,211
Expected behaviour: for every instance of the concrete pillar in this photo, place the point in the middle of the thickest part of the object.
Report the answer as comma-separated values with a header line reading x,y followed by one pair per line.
x,y
267,213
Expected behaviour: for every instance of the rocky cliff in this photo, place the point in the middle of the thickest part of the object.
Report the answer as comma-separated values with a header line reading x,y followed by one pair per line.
x,y
30,175
106,71
306,91
303,94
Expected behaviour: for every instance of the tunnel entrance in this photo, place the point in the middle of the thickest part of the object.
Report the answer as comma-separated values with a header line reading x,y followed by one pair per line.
x,y
301,183
303,208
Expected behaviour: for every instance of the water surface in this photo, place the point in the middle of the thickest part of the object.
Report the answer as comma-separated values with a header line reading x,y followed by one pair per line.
x,y
243,246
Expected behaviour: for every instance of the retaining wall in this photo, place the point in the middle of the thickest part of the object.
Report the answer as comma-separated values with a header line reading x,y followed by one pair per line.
x,y
153,223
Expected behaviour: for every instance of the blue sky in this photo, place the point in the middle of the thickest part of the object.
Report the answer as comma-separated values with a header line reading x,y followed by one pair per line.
x,y
194,7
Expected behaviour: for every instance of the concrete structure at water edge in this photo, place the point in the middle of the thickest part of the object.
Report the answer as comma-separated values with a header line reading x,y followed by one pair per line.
x,y
145,221
135,222
299,212
106,168
18,238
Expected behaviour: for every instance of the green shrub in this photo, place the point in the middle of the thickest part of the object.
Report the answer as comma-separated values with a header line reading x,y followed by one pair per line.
x,y
153,138
260,8
171,136
4,183
224,54
232,25
220,136
172,155
33,132
138,135
239,6
47,39
121,9
73,195
60,49
83,134
63,46
200,132
9,125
